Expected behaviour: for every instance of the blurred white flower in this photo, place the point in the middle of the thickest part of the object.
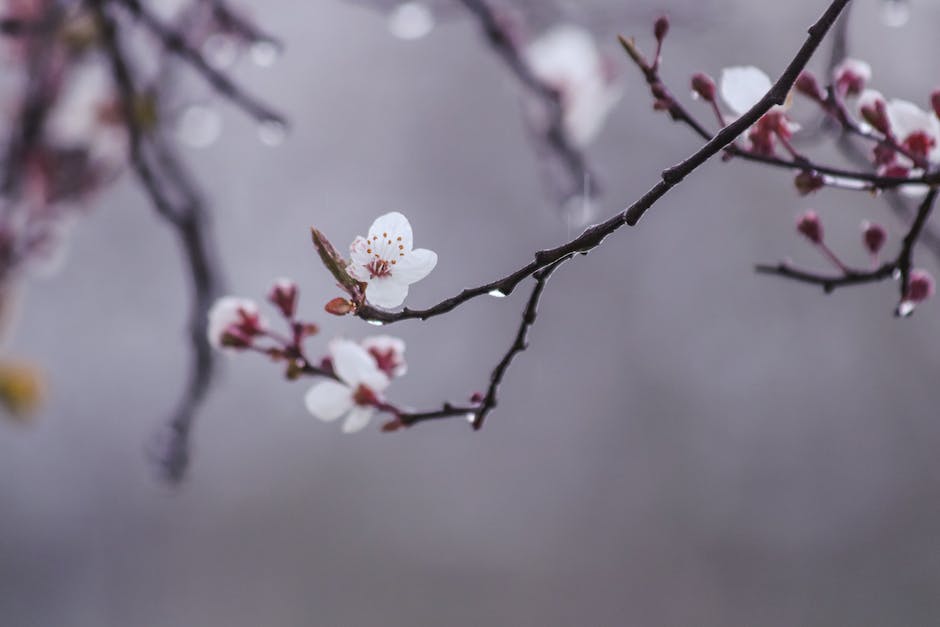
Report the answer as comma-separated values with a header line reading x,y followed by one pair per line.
x,y
79,116
388,353
916,129
233,322
386,263
355,394
567,58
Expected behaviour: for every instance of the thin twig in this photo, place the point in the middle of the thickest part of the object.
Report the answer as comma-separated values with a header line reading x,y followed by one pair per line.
x,y
477,413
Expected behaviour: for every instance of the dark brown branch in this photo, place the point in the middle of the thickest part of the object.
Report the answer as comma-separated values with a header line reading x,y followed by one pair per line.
x,y
900,266
593,236
175,43
477,413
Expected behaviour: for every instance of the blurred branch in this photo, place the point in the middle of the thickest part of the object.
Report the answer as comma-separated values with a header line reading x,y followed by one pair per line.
x,y
177,200
175,43
502,42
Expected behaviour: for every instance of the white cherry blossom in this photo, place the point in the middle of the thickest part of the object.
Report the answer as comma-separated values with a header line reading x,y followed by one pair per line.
x,y
355,394
386,262
908,121
567,58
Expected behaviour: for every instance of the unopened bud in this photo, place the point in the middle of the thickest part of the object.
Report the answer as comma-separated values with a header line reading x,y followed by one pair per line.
x,y
920,287
807,85
808,181
476,397
339,306
284,296
851,75
703,86
661,28
874,236
874,111
808,224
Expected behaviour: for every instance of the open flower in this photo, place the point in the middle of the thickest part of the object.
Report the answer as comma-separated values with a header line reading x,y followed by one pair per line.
x,y
567,58
915,129
386,263
234,322
356,393
388,353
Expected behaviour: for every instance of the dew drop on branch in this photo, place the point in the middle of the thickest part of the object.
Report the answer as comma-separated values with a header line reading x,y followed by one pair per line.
x,y
272,132
264,52
220,51
895,13
410,21
375,323
470,417
497,294
906,308
199,126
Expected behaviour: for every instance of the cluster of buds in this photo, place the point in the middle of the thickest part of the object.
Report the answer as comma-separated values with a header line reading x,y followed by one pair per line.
x,y
354,375
920,284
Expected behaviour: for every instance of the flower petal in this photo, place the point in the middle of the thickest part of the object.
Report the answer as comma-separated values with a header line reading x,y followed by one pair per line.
x,y
358,419
387,292
743,87
328,400
392,225
414,267
906,118
354,365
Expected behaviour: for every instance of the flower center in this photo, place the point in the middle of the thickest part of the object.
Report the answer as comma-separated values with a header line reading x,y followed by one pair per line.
x,y
378,268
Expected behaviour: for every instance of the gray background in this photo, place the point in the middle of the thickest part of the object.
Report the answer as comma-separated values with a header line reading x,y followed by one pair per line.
x,y
684,444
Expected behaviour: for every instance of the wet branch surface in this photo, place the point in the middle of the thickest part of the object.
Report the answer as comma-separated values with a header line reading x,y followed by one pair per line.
x,y
593,236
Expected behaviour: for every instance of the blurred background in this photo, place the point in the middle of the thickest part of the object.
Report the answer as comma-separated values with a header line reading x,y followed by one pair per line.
x,y
685,443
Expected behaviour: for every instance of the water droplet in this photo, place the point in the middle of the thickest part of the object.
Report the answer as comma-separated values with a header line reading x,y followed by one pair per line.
x,y
906,308
220,51
272,132
895,13
470,417
264,52
497,294
896,275
375,323
411,20
199,126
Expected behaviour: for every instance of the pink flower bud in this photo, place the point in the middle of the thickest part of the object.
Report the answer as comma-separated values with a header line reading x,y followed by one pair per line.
x,y
661,28
235,337
851,76
284,296
339,306
874,236
476,398
920,287
807,85
704,86
935,102
875,112
808,224
808,181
